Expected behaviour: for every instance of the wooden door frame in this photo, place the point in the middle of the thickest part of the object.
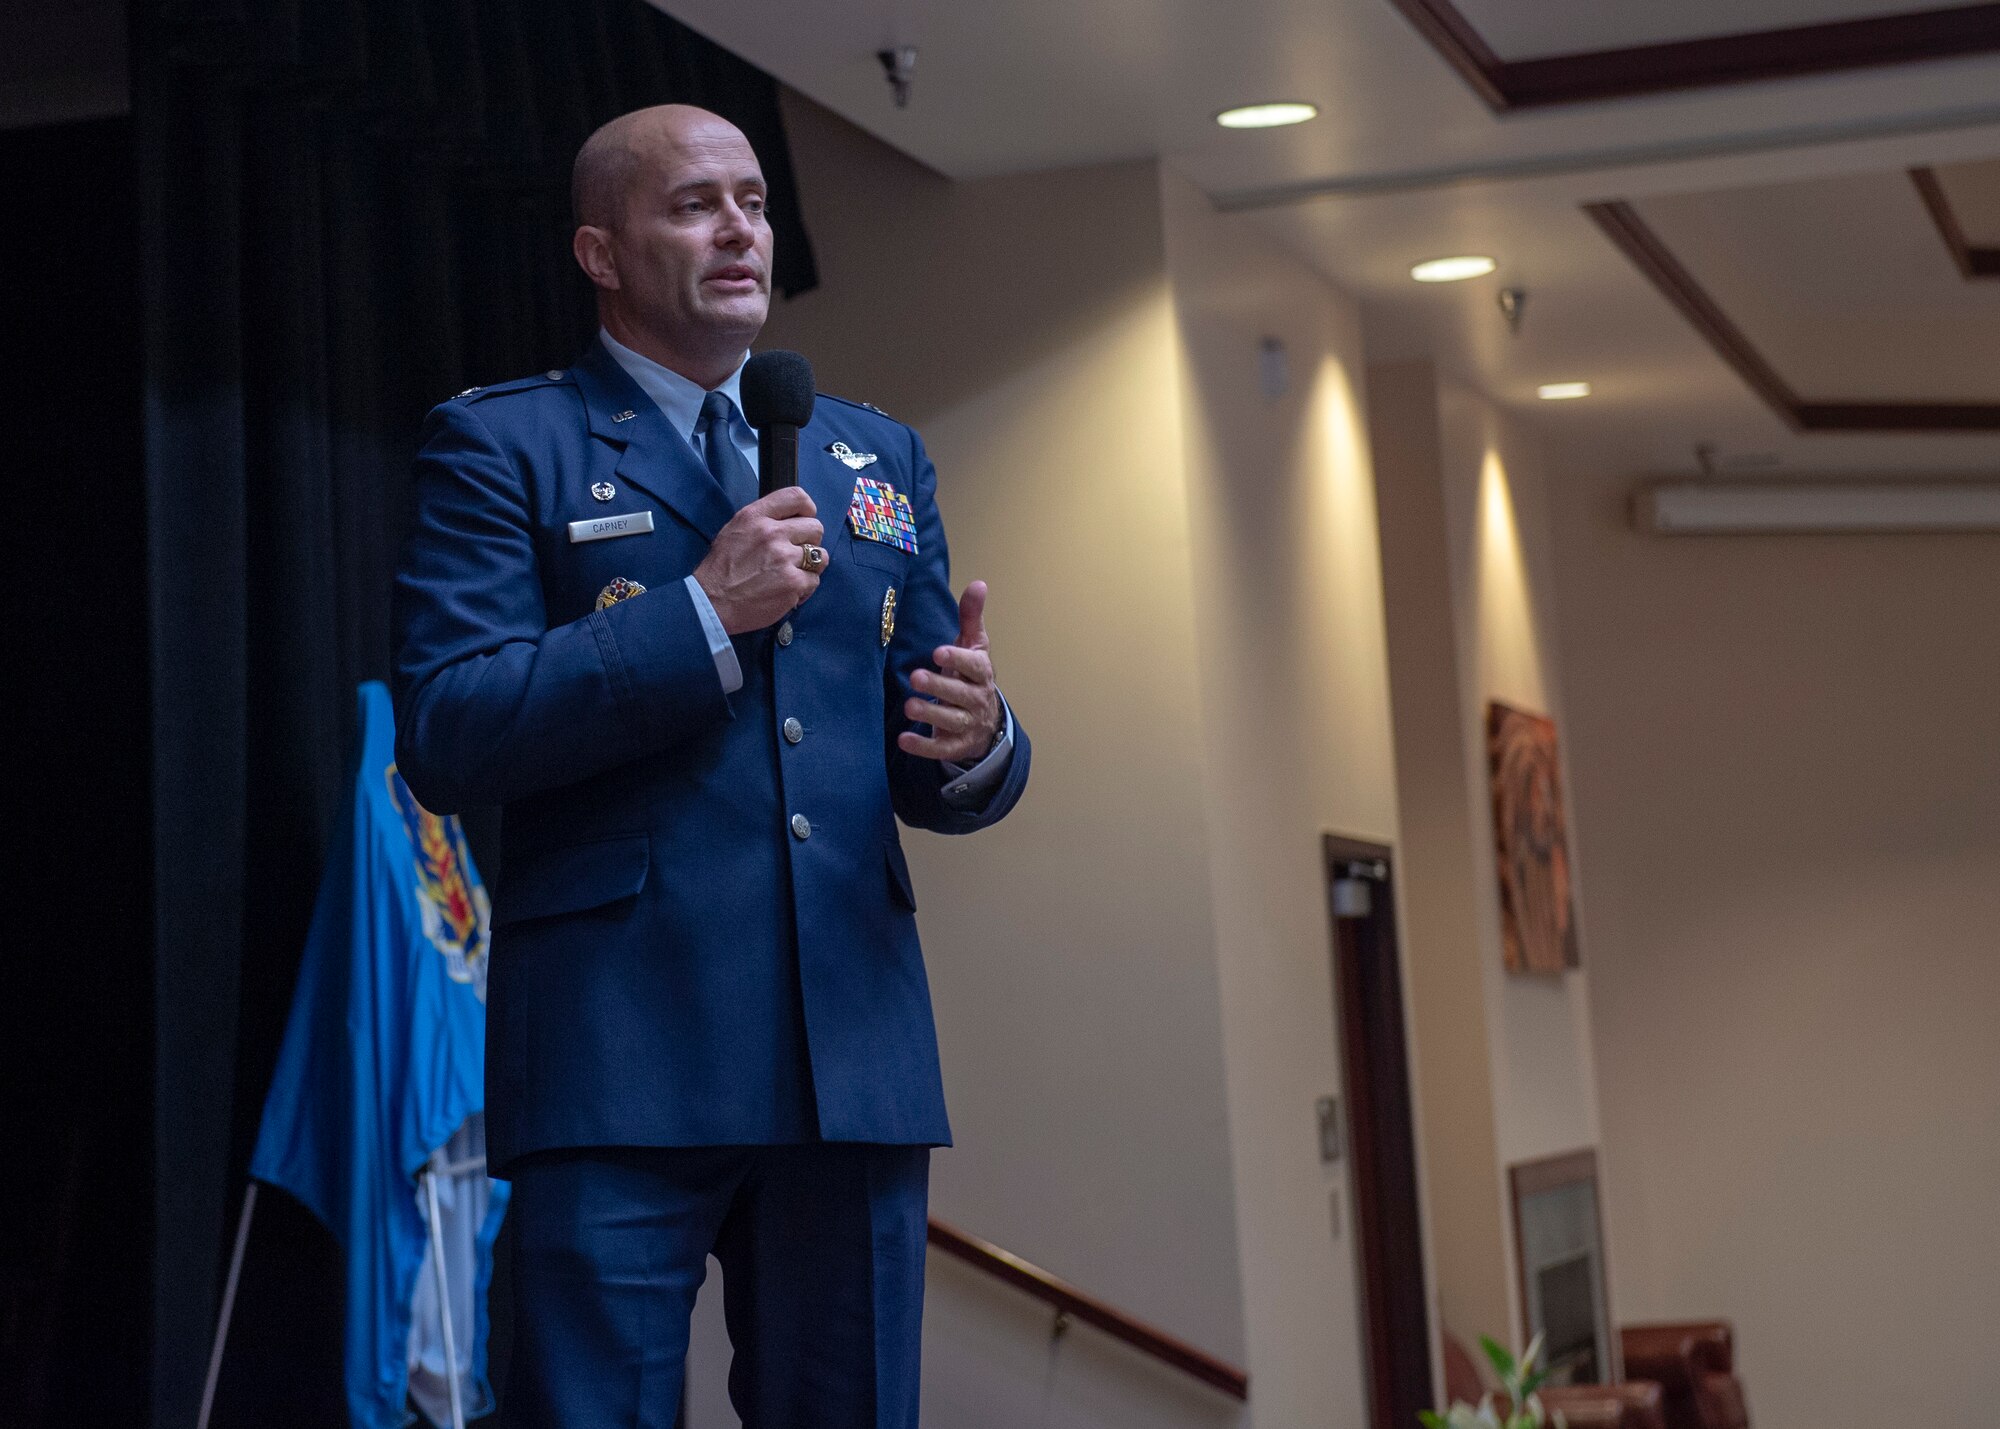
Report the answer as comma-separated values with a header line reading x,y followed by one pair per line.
x,y
1364,1144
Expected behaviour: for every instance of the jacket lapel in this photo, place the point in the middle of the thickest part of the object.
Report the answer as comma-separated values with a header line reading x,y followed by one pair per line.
x,y
656,459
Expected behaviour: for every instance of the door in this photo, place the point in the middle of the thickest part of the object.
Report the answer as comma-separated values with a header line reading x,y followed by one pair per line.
x,y
1368,996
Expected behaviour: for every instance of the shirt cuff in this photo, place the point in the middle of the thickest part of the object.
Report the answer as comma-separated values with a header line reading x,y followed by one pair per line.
x,y
967,789
719,647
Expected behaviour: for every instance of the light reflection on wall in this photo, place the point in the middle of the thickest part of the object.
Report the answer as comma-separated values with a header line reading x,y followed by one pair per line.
x,y
1509,633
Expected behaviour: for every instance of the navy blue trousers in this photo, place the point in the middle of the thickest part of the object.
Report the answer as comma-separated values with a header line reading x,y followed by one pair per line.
x,y
822,1254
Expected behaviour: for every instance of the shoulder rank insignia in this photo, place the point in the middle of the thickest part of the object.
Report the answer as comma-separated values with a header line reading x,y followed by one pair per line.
x,y
619,589
879,512
855,460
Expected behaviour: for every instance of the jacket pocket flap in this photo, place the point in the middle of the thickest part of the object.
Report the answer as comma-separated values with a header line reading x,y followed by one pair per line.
x,y
899,877
879,554
572,878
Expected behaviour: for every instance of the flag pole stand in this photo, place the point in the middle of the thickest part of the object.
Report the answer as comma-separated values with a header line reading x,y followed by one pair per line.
x,y
444,1289
228,1310
229,1303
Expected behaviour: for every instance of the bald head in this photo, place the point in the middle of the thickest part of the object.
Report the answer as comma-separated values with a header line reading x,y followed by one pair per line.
x,y
671,229
646,140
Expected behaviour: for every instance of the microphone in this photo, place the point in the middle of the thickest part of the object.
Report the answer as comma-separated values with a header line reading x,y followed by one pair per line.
x,y
777,400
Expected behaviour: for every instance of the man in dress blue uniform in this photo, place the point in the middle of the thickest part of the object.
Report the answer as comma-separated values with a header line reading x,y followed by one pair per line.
x,y
709,1027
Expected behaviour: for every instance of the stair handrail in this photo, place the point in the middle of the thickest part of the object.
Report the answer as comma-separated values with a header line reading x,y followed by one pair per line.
x,y
1080,1305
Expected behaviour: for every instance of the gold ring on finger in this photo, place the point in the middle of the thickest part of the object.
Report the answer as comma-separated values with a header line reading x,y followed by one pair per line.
x,y
813,559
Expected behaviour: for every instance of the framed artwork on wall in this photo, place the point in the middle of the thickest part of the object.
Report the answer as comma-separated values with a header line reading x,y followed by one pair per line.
x,y
1531,842
1559,1252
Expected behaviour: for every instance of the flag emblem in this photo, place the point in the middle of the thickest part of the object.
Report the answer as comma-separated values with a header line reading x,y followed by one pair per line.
x,y
378,1082
457,913
879,512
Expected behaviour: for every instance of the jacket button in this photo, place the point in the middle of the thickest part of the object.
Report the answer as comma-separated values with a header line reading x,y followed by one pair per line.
x,y
794,731
785,633
801,827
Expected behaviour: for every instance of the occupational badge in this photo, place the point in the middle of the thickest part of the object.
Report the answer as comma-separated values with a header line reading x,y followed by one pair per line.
x,y
603,491
855,460
879,512
888,614
619,589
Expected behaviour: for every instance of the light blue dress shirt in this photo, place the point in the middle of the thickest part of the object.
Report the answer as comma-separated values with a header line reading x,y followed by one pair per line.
x,y
680,400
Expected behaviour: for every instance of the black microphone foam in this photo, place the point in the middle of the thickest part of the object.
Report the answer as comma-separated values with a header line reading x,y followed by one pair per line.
x,y
777,392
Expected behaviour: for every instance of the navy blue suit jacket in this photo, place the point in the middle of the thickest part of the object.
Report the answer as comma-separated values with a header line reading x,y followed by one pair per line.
x,y
672,965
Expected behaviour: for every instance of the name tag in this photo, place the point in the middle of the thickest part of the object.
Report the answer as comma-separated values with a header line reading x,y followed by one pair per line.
x,y
603,528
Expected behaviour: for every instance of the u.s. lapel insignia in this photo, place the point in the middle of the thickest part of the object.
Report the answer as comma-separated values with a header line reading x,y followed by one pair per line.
x,y
888,614
625,416
619,589
855,460
879,512
603,490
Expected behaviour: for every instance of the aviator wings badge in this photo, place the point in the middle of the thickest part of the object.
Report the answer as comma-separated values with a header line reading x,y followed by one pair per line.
x,y
855,460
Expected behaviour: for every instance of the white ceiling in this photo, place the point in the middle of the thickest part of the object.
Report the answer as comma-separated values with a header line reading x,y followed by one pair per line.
x,y
1553,27
1418,166
1974,191
1882,314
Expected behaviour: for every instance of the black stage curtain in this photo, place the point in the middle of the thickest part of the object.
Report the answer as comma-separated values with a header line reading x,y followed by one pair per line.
x,y
75,922
350,210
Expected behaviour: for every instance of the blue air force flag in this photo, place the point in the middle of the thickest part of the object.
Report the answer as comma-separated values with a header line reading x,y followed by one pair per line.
x,y
381,1067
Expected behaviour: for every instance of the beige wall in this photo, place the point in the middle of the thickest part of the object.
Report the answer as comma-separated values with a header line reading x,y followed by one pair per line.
x,y
1288,602
1785,776
1452,1063
1503,1062
1497,506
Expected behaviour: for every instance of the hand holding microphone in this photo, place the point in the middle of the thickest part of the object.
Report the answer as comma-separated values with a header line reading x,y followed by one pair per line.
x,y
769,558
757,571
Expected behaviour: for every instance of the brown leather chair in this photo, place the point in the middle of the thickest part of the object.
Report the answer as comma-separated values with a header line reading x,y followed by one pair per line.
x,y
1583,1406
1633,1404
1695,1365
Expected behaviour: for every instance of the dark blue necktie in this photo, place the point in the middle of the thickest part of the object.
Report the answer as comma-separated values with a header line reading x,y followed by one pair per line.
x,y
718,449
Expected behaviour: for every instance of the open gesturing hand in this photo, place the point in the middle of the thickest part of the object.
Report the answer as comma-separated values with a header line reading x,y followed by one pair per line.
x,y
963,704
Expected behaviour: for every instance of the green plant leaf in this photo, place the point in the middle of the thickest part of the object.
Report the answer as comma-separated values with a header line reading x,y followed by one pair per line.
x,y
1432,1420
1532,1353
1503,1363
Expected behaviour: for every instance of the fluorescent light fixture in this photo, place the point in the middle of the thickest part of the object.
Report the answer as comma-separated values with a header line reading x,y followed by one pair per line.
x,y
1453,270
1266,116
1562,391
1812,508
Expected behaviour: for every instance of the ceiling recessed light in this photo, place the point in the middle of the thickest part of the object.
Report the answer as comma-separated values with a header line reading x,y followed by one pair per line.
x,y
1562,391
1266,116
1453,270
